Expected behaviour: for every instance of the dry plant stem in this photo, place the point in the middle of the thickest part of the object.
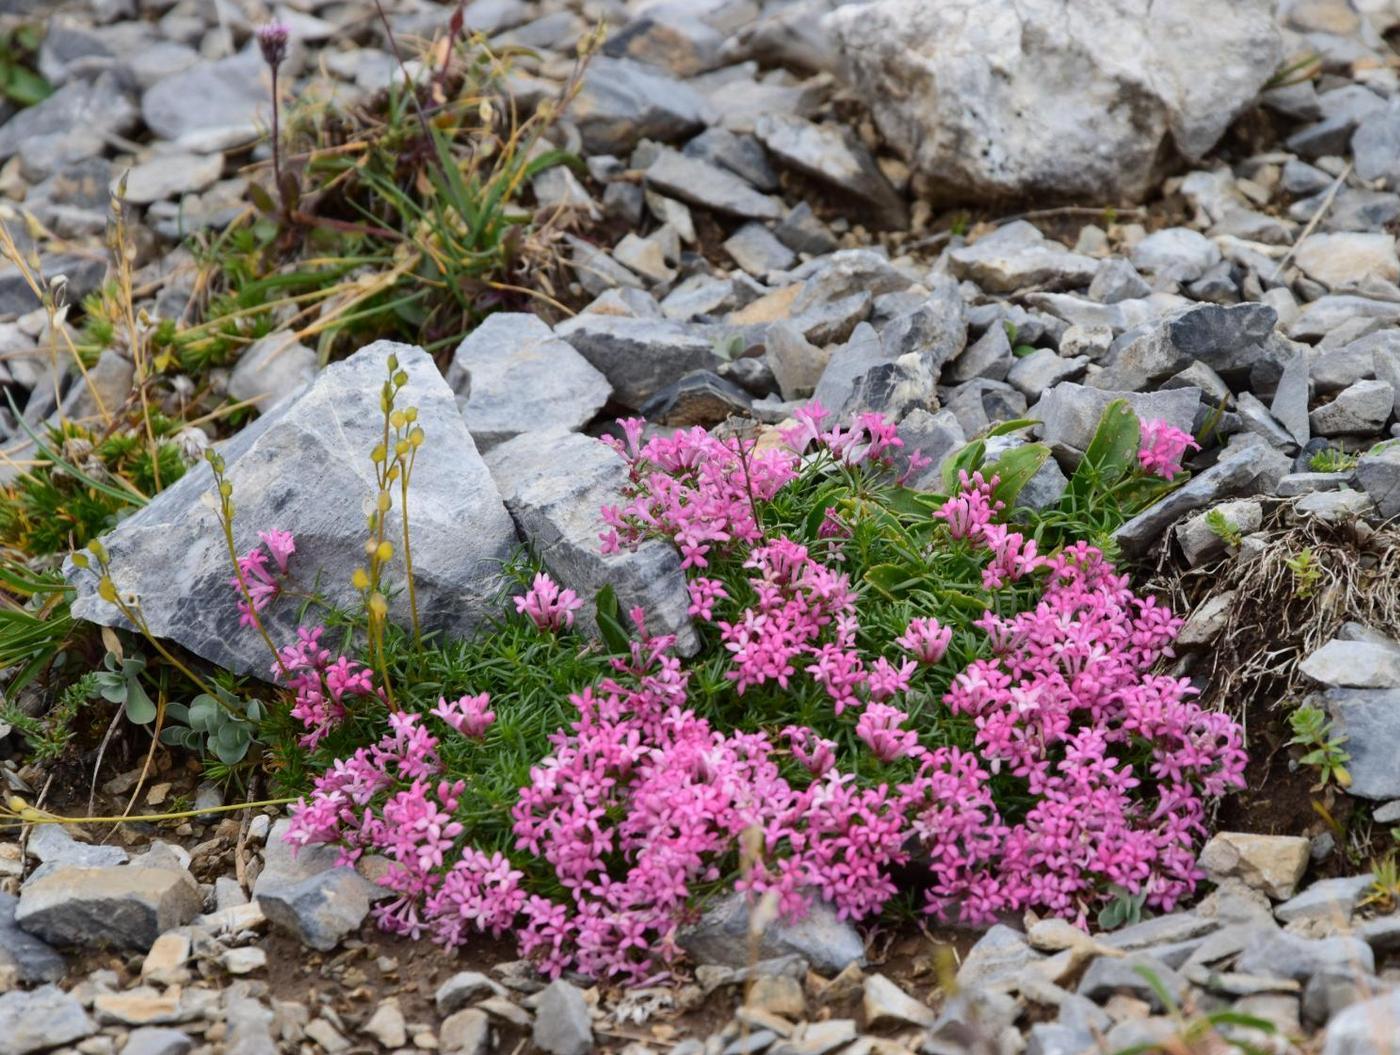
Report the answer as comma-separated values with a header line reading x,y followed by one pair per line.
x,y
226,524
101,753
408,550
277,141
1269,628
240,848
121,257
150,755
45,295
1317,218
18,811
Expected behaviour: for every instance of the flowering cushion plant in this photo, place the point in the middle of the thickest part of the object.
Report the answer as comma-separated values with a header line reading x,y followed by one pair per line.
x,y
888,679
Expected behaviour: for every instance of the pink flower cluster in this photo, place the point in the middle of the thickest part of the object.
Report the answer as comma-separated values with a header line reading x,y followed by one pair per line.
x,y
1162,447
642,804
387,800
322,685
698,490
547,606
261,583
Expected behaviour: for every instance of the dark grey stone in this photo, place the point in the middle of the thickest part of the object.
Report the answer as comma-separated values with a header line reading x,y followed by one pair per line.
x,y
120,907
639,357
722,937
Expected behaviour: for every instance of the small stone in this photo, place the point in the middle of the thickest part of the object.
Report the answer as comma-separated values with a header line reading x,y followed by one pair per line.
x,y
1177,254
1362,408
1349,259
797,364
23,957
1271,863
558,514
1335,506
157,1040
622,101
244,961
1375,147
640,356
1017,255
778,995
758,251
465,1033
1117,280
563,1021
165,962
701,183
1198,539
1365,1028
1329,900
1108,975
1378,474
832,154
722,937
320,910
1033,374
1285,955
1354,665
886,1002
170,176
326,1035
387,1025
272,369
211,105
43,1018
464,986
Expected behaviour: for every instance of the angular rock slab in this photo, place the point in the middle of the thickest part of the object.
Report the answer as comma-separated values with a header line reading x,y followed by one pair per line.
x,y
1020,98
123,907
639,357
305,468
512,375
558,513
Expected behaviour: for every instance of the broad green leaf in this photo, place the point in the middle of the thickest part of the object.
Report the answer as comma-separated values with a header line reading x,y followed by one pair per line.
x,y
1014,469
610,626
968,459
139,707
1008,427
1111,454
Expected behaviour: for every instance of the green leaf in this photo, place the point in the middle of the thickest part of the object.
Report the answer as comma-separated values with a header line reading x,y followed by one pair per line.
x,y
890,579
1111,454
609,616
1015,469
1005,428
139,708
178,712
204,713
968,459
261,199
173,735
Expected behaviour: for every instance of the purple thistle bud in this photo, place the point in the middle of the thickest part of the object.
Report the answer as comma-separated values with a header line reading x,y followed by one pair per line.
x,y
272,40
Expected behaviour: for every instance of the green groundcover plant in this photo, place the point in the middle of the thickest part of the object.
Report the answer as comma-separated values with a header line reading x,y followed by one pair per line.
x,y
891,684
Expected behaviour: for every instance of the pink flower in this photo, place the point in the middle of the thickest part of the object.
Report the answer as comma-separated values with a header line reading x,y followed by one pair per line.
x,y
281,544
926,640
1162,447
547,606
468,715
